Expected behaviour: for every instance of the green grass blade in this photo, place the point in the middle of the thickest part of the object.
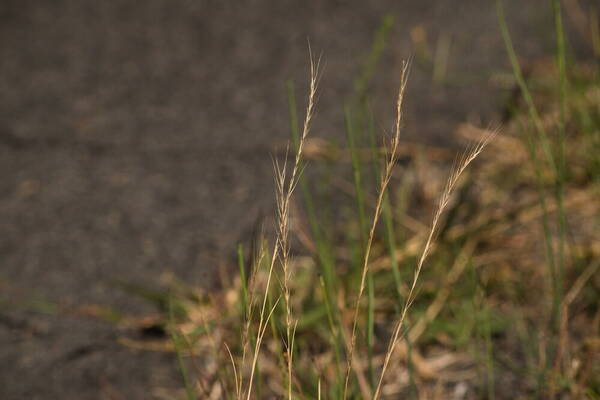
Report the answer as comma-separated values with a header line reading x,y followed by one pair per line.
x,y
244,283
518,74
336,341
360,204
561,149
178,343
357,175
361,83
489,351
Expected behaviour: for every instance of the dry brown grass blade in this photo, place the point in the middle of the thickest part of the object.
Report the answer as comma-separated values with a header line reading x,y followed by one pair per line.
x,y
580,283
385,179
461,166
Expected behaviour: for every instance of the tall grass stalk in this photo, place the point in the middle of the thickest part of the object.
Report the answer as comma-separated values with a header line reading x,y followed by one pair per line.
x,y
385,179
461,166
285,186
356,113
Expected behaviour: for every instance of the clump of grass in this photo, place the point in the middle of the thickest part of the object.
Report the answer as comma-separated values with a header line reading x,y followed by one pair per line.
x,y
274,307
361,299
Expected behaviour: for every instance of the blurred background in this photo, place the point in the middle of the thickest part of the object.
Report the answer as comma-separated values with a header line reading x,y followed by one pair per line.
x,y
136,142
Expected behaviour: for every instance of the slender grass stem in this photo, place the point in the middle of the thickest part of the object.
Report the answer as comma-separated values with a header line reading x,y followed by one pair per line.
x,y
561,157
518,73
178,343
386,176
461,166
243,284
